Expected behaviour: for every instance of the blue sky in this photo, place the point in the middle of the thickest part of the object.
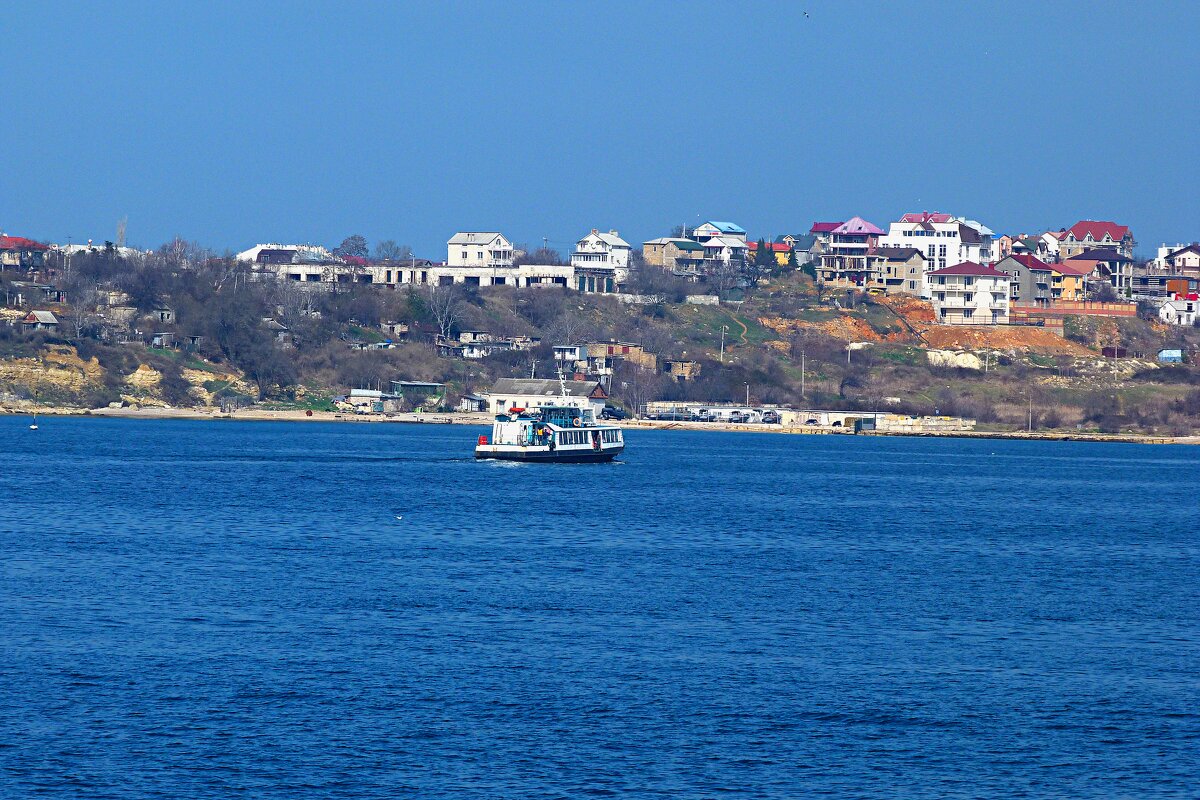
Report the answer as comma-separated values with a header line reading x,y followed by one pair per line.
x,y
233,123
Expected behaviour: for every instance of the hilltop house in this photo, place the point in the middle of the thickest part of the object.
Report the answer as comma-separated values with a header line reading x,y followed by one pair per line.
x,y
288,254
1095,235
1105,265
702,233
479,249
1185,260
605,250
903,270
970,294
681,257
804,245
944,239
851,260
725,250
1031,279
17,252
780,251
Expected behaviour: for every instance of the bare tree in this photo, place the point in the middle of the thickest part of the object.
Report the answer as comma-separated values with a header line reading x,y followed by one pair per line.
x,y
542,255
724,275
570,328
636,387
388,250
445,304
84,299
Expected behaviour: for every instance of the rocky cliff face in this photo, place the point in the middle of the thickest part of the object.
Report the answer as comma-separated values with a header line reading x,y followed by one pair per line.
x,y
56,377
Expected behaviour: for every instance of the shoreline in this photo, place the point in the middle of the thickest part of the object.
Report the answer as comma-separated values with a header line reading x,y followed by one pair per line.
x,y
484,419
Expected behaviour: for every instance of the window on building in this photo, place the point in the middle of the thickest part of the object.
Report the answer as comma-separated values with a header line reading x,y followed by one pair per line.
x,y
968,312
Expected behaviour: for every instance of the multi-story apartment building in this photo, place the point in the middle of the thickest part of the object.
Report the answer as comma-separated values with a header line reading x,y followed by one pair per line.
x,y
1030,279
601,259
943,239
1091,234
850,259
970,294
903,270
603,250
479,249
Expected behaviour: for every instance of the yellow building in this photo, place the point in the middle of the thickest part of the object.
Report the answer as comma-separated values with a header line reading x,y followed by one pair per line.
x,y
1068,282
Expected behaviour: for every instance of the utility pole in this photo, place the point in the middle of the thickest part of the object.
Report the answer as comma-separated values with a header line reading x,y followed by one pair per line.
x,y
747,395
1030,413
802,374
723,329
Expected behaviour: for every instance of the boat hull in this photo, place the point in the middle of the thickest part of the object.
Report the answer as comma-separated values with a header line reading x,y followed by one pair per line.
x,y
548,456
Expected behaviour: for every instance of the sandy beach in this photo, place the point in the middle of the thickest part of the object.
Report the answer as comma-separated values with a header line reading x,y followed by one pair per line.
x,y
484,419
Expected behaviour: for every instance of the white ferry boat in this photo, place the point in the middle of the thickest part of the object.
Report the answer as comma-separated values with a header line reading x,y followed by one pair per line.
x,y
551,433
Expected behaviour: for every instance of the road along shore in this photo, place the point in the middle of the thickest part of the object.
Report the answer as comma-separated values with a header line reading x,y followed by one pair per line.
x,y
483,419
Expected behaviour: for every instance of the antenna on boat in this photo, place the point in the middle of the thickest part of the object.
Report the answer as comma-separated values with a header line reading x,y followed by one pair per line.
x,y
562,383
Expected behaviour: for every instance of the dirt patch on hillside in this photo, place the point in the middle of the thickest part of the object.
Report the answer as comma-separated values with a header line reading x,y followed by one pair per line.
x,y
1000,337
847,328
914,311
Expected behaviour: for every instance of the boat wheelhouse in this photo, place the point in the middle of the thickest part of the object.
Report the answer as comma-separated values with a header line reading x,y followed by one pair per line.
x,y
558,433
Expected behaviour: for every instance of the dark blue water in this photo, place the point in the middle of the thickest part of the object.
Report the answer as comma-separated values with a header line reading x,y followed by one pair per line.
x,y
214,610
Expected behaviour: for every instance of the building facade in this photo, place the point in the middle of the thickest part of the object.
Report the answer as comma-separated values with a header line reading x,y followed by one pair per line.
x,y
970,294
479,249
1090,234
850,259
605,250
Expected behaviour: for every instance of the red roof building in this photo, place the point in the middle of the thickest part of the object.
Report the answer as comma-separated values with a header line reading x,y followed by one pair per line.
x,y
1091,234
22,253
926,216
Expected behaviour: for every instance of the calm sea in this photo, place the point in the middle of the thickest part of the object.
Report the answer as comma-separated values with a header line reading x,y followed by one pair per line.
x,y
216,610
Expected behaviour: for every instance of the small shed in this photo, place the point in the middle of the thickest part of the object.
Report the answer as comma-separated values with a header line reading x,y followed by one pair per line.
x,y
1170,356
472,403
40,321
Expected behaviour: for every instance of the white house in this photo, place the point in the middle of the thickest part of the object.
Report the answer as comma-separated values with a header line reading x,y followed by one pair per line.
x,y
702,233
479,249
970,294
729,249
1053,245
537,392
943,240
603,250
1180,311
276,253
1185,260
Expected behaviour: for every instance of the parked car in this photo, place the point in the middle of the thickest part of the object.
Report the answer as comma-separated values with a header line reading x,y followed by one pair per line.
x,y
612,412
771,418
